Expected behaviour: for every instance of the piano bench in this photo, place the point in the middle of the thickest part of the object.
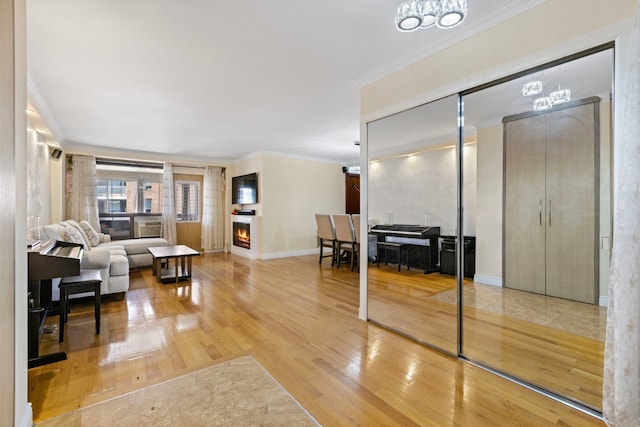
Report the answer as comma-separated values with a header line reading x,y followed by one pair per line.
x,y
393,247
87,281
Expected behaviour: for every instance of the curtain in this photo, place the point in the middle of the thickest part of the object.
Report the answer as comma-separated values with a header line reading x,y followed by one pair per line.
x,y
168,205
83,201
621,391
212,210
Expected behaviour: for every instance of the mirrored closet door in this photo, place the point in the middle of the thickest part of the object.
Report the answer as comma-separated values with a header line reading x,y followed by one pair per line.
x,y
518,282
412,223
543,219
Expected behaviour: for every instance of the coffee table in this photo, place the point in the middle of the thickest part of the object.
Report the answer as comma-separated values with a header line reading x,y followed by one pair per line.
x,y
182,262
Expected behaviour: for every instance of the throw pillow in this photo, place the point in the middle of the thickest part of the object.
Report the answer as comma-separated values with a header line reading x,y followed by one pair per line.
x,y
91,233
72,235
74,224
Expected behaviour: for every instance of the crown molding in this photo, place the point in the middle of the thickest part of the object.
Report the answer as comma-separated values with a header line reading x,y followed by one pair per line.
x,y
38,102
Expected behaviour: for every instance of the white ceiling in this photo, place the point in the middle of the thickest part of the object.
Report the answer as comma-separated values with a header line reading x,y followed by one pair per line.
x,y
217,81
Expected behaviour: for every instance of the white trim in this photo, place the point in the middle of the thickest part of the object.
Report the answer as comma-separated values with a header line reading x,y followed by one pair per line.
x,y
285,155
603,301
304,252
27,416
488,280
38,102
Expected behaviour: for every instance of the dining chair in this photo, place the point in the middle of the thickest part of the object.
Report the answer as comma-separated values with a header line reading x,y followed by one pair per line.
x,y
355,218
326,237
345,237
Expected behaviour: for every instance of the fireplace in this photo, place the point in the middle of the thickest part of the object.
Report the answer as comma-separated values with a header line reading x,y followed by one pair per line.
x,y
242,235
245,236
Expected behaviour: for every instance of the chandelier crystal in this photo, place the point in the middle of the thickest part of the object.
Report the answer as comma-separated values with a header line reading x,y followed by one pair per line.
x,y
532,88
560,96
542,104
409,15
414,14
451,13
430,16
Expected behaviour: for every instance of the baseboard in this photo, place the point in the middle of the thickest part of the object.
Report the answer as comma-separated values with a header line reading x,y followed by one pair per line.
x,y
213,251
603,301
304,252
488,280
27,416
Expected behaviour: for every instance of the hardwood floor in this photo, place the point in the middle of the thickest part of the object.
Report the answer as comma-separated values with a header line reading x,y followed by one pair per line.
x,y
553,343
299,321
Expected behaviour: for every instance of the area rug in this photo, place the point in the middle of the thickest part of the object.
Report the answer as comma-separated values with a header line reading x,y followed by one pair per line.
x,y
239,392
586,320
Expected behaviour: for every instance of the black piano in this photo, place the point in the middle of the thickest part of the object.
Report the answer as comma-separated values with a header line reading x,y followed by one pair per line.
x,y
45,261
422,242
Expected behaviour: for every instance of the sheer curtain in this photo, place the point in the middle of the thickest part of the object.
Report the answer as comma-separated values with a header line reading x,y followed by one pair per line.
x,y
212,210
83,201
621,393
168,205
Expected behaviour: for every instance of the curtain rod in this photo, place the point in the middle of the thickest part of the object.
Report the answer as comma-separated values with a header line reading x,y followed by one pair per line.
x,y
115,162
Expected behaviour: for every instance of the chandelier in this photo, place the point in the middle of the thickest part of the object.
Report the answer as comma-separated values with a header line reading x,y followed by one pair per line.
x,y
544,103
415,14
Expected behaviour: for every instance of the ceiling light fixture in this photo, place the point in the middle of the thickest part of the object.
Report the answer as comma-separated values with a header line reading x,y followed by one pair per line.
x,y
560,96
532,88
542,104
414,14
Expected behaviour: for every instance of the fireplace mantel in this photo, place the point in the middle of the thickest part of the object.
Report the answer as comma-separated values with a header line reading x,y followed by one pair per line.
x,y
254,224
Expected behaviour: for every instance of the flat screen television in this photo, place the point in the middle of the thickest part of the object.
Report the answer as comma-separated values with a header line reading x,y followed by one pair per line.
x,y
244,189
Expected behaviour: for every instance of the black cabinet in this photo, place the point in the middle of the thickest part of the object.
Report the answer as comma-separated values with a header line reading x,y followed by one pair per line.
x,y
448,256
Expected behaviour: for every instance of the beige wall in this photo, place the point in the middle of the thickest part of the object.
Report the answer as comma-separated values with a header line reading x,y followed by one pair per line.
x,y
290,192
14,409
489,206
294,190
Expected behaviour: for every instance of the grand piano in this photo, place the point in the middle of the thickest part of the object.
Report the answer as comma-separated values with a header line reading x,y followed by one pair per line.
x,y
45,261
422,242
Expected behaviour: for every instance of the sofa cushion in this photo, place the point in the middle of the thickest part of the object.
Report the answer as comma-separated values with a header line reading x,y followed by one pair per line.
x,y
141,246
119,265
53,232
76,226
73,235
90,233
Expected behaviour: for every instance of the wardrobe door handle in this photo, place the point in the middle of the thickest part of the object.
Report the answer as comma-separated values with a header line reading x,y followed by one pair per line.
x,y
550,211
540,211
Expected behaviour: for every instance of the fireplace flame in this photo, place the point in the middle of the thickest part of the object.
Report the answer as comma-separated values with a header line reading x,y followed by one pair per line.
x,y
243,235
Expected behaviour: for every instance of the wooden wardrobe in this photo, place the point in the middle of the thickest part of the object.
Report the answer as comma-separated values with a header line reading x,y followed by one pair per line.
x,y
551,202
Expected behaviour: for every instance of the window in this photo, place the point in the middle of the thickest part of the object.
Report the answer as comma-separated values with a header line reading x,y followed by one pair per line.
x,y
187,201
112,196
128,188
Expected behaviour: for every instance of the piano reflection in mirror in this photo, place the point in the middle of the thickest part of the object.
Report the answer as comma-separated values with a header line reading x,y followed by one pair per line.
x,y
422,242
46,261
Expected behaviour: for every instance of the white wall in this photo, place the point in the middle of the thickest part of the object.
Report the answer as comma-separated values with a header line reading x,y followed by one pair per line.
x,y
38,177
423,188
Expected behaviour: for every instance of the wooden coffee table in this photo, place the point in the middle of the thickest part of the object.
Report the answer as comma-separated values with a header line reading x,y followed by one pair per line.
x,y
182,262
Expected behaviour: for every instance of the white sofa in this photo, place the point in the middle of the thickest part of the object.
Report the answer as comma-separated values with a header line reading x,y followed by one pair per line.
x,y
114,259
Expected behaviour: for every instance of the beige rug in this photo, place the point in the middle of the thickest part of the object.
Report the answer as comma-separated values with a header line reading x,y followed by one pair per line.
x,y
239,392
586,320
